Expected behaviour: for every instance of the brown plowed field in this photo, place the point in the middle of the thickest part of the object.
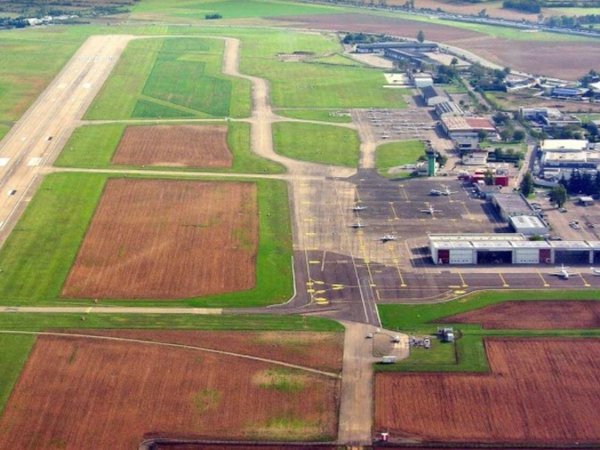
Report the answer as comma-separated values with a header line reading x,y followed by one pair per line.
x,y
537,57
321,351
534,315
179,145
168,239
539,391
78,393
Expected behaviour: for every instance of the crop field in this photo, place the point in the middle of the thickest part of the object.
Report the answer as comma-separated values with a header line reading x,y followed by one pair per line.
x,y
536,315
171,78
94,147
132,391
539,391
168,239
70,200
179,145
317,350
317,143
396,154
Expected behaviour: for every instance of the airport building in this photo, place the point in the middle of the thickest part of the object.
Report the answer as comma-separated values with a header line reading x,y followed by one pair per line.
x,y
508,248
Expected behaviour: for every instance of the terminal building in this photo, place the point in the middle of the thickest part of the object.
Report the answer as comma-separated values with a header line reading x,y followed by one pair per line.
x,y
509,248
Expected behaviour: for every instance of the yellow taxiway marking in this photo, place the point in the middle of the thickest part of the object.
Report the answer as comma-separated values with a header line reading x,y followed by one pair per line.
x,y
305,202
585,283
462,280
394,211
504,283
543,279
337,287
314,261
310,291
402,283
459,292
310,233
322,291
309,219
309,283
454,286
319,282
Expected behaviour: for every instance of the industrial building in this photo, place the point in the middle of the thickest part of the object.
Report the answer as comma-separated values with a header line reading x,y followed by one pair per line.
x,y
433,96
529,225
549,117
409,46
449,108
420,79
511,205
506,248
564,145
559,157
464,131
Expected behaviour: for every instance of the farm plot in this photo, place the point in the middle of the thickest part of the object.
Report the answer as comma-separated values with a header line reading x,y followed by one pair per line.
x,y
114,394
539,391
318,350
533,315
179,145
168,239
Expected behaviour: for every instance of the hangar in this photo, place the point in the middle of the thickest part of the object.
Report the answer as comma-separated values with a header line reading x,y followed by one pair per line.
x,y
507,248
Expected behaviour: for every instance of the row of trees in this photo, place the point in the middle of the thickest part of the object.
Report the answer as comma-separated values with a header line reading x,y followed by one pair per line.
x,y
578,184
558,194
528,6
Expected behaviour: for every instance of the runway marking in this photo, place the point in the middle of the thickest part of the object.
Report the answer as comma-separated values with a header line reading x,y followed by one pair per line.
x,y
314,261
585,283
504,283
310,233
543,279
323,260
462,280
34,162
394,211
4,161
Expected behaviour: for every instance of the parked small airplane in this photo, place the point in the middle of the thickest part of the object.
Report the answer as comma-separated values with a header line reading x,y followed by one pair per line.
x,y
359,208
444,191
388,237
357,225
595,271
563,272
430,210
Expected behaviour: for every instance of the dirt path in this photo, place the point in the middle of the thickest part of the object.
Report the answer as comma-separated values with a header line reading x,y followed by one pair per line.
x,y
172,345
368,142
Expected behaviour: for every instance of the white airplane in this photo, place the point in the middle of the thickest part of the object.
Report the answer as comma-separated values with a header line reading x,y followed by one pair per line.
x,y
430,210
444,191
359,208
357,225
595,271
388,237
563,272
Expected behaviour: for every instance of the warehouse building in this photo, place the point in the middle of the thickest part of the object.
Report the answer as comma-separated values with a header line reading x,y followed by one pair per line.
x,y
506,248
529,225
449,108
465,131
433,96
511,205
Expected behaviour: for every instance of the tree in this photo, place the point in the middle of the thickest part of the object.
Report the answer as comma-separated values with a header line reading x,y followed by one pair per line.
x,y
505,134
420,36
527,184
454,61
488,177
558,195
518,135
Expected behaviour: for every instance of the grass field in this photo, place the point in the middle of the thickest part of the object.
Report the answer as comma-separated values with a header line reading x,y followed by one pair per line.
x,y
396,154
15,350
322,144
3,130
467,354
30,59
170,78
93,146
229,9
68,201
306,84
